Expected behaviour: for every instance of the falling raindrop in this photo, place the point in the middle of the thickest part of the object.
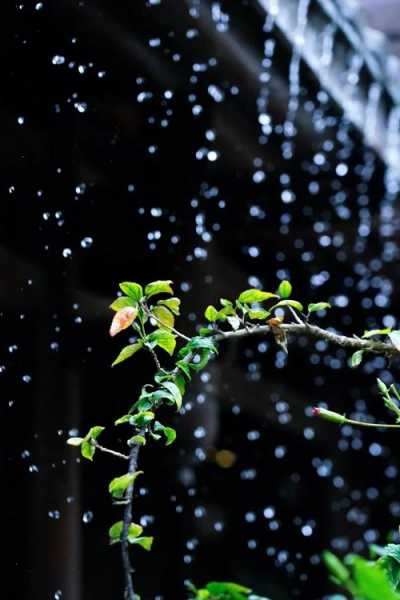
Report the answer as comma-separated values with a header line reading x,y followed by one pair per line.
x,y
87,242
87,516
58,60
54,514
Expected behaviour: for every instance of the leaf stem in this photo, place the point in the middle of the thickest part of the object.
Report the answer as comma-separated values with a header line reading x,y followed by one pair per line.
x,y
109,451
366,424
178,333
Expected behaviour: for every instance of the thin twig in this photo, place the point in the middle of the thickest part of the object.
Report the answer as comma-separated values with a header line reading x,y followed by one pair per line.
x,y
108,451
155,357
178,333
366,424
295,316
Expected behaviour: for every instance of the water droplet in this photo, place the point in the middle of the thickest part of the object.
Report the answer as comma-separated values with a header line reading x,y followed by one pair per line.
x,y
200,432
67,252
58,60
80,106
54,514
87,516
26,378
87,242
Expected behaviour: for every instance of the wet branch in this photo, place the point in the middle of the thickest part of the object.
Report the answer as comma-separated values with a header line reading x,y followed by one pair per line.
x,y
313,331
127,519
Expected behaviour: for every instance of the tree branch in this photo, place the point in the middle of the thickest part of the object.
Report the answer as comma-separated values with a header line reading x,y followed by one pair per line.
x,y
127,519
313,331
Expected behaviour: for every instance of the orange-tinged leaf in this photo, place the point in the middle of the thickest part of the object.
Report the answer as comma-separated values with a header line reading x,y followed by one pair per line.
x,y
122,319
279,334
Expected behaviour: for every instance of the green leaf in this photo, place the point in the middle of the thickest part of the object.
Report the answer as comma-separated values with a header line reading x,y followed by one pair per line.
x,y
205,331
372,332
165,317
180,382
119,485
127,352
159,395
393,550
122,302
133,290
122,420
75,441
198,342
227,311
392,570
144,542
184,367
165,339
285,289
137,440
163,376
254,295
372,581
336,567
143,418
173,304
143,404
318,306
356,358
94,432
395,339
293,303
87,450
211,314
258,314
226,303
158,287
382,386
134,532
170,434
390,563
230,591
174,391
115,532
204,356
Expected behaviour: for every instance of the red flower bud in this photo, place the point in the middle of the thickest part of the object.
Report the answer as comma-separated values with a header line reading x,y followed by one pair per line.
x,y
328,415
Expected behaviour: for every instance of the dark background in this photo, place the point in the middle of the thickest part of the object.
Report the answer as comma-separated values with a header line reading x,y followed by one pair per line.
x,y
101,185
